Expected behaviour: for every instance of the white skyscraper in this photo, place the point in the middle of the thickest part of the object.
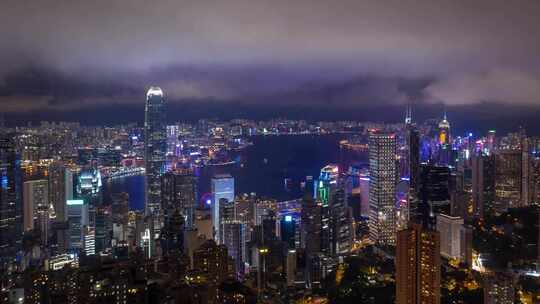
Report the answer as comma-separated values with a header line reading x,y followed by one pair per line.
x,y
222,188
450,228
382,188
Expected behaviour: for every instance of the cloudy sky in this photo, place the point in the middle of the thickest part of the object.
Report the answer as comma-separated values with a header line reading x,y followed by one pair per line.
x,y
59,56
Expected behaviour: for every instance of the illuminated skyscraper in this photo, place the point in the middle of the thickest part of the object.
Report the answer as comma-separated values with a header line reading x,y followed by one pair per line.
x,y
444,131
382,188
179,191
222,188
77,213
336,234
11,210
155,148
36,207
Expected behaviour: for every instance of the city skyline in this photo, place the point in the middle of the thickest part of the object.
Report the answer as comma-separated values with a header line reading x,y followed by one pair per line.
x,y
270,152
279,57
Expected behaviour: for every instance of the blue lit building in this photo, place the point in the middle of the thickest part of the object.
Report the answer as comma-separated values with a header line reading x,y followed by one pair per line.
x,y
288,230
11,212
222,189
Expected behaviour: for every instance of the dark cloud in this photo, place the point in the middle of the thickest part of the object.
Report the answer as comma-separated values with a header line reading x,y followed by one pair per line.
x,y
59,55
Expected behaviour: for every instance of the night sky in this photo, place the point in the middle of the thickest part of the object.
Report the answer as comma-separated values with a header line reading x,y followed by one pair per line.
x,y
72,60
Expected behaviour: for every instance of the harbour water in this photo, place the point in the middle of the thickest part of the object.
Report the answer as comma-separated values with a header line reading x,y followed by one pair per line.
x,y
261,168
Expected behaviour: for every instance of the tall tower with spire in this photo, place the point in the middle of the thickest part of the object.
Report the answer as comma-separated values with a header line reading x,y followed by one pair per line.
x,y
444,130
408,114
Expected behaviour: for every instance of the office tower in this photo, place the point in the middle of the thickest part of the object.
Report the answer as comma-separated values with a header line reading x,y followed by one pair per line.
x,y
434,187
483,183
490,141
77,213
234,238
11,206
89,237
525,171
120,208
102,227
222,188
179,191
172,234
311,225
57,189
408,115
336,234
413,147
287,227
507,180
290,267
382,188
89,187
364,196
155,148
327,185
499,289
418,264
450,230
466,236
227,215
36,207
444,131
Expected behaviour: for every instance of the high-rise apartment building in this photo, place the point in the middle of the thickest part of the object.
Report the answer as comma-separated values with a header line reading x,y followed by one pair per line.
x,y
382,188
418,266
508,178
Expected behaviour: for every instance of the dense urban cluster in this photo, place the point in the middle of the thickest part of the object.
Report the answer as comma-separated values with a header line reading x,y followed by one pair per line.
x,y
411,213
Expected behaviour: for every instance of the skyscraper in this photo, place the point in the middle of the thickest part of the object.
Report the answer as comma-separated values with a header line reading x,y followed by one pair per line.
x,y
413,153
77,212
483,183
382,188
222,188
155,148
418,265
450,230
508,177
179,191
36,207
434,187
11,211
57,189
234,238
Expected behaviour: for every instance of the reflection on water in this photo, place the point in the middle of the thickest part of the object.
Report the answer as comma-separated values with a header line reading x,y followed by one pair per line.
x,y
261,168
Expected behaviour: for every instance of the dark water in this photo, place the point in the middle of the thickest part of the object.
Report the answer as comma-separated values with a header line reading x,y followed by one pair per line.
x,y
294,157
